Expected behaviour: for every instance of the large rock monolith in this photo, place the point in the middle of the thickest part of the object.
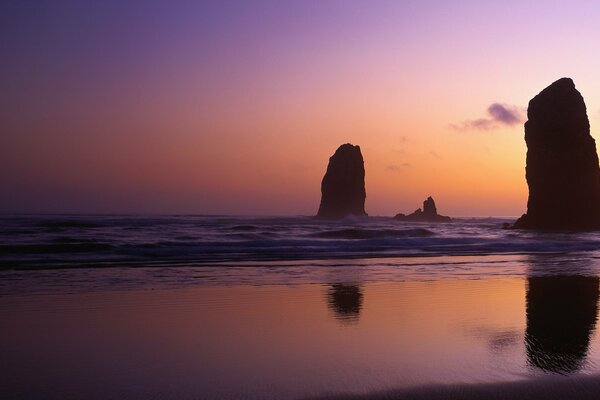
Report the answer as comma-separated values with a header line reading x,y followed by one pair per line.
x,y
427,214
343,186
562,164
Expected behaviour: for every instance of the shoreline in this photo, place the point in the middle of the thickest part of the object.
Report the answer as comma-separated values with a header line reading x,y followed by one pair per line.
x,y
581,387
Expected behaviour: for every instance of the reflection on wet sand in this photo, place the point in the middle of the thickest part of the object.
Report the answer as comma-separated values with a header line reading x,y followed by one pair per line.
x,y
442,338
561,316
345,301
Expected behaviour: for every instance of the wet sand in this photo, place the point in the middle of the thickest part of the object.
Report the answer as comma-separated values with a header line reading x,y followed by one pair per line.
x,y
550,388
189,334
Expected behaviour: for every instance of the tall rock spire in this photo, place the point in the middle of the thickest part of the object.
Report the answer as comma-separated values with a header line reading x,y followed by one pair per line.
x,y
562,164
343,186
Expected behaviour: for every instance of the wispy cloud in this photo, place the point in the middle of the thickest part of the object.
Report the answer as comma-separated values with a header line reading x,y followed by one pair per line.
x,y
397,168
497,115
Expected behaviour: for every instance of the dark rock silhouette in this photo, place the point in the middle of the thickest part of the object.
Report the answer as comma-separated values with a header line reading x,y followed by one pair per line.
x,y
343,186
346,301
562,164
561,316
428,214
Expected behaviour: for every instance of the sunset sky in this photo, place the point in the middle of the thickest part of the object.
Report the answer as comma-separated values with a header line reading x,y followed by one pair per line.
x,y
234,107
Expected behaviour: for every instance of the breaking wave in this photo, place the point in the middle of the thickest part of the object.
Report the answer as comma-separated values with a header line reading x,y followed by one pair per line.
x,y
38,242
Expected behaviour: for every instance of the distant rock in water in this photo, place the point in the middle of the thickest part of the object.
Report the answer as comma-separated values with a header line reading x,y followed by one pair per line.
x,y
428,214
562,164
343,186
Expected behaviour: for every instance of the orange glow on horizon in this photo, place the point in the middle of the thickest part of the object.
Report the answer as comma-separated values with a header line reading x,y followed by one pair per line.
x,y
213,119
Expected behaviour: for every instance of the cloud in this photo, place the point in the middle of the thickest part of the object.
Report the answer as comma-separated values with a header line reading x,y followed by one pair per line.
x,y
435,155
397,168
498,115
505,114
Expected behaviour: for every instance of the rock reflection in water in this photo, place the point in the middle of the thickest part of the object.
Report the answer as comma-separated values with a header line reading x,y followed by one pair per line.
x,y
561,316
346,302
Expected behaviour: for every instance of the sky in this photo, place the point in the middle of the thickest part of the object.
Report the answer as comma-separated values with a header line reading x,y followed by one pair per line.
x,y
234,107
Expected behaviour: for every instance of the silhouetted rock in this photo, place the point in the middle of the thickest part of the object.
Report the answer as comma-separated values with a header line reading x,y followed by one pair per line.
x,y
428,214
343,186
429,207
562,164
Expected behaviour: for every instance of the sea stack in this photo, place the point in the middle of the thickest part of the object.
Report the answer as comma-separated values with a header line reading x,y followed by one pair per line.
x,y
562,164
428,214
343,186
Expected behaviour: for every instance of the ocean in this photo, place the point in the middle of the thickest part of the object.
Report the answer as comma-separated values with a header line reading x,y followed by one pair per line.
x,y
108,241
223,307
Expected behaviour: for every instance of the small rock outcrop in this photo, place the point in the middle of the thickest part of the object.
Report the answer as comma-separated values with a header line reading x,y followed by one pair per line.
x,y
427,214
562,164
343,186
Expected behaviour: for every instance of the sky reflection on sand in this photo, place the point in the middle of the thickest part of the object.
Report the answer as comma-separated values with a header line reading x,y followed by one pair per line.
x,y
296,340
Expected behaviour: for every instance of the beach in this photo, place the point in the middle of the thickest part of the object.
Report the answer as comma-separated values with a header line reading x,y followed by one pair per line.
x,y
422,325
299,200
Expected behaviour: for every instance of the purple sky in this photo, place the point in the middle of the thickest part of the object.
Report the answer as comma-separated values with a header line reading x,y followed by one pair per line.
x,y
235,106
